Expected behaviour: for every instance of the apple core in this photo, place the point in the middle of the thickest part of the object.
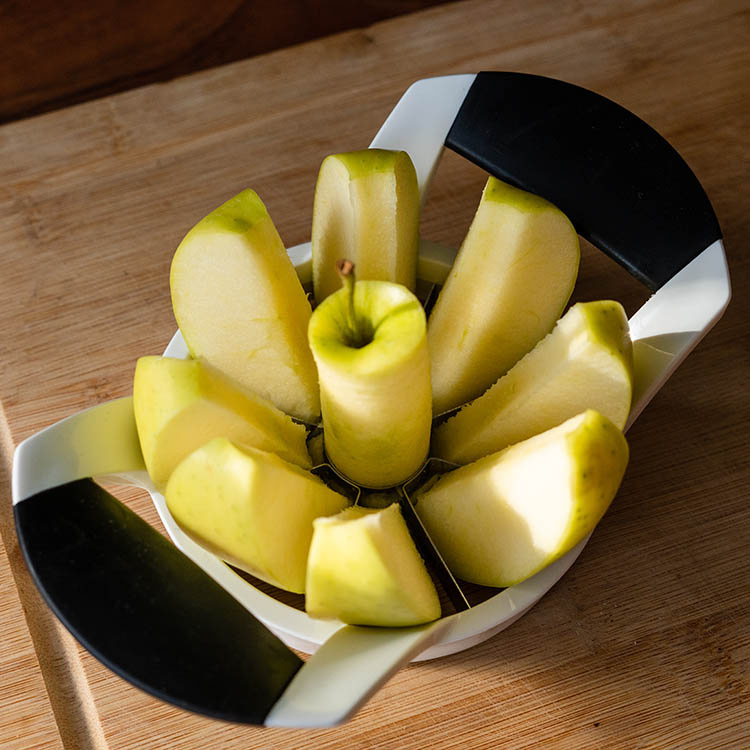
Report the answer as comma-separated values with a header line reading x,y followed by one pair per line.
x,y
370,346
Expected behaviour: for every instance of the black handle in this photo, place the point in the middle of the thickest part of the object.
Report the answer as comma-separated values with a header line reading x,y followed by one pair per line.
x,y
625,189
146,610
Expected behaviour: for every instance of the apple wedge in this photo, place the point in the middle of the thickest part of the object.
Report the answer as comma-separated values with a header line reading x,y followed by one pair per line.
x,y
366,209
504,517
508,286
180,404
370,347
251,509
364,569
240,305
586,362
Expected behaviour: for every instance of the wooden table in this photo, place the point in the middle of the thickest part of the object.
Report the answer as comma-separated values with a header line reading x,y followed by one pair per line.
x,y
646,641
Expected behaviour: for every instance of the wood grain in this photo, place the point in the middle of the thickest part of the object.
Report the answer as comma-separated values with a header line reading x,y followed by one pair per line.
x,y
54,55
645,643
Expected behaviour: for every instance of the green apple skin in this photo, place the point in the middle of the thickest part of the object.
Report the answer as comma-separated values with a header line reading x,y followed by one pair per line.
x,y
364,569
251,509
366,209
506,516
240,305
586,362
376,397
510,282
180,404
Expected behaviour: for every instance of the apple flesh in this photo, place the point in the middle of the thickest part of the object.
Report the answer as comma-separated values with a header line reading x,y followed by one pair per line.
x,y
508,286
240,305
504,517
366,209
370,347
586,362
251,509
364,569
180,404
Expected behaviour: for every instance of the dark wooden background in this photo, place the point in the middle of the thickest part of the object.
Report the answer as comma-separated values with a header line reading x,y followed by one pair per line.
x,y
53,54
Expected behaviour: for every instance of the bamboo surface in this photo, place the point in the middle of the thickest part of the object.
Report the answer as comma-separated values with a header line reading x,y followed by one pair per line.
x,y
645,643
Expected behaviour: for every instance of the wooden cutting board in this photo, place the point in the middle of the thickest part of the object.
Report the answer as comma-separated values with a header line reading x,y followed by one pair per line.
x,y
646,641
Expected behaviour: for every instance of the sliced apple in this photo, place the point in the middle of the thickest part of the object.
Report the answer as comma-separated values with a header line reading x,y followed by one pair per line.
x,y
364,569
586,362
370,347
504,517
180,404
366,209
240,305
509,284
251,509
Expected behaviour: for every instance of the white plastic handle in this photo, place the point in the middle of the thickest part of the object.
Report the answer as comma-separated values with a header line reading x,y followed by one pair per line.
x,y
346,671
420,122
96,442
669,326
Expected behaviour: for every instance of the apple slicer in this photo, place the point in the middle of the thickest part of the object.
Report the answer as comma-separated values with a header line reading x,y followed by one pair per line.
x,y
179,623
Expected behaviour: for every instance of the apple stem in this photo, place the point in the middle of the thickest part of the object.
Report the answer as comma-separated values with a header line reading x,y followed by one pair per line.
x,y
346,271
360,333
